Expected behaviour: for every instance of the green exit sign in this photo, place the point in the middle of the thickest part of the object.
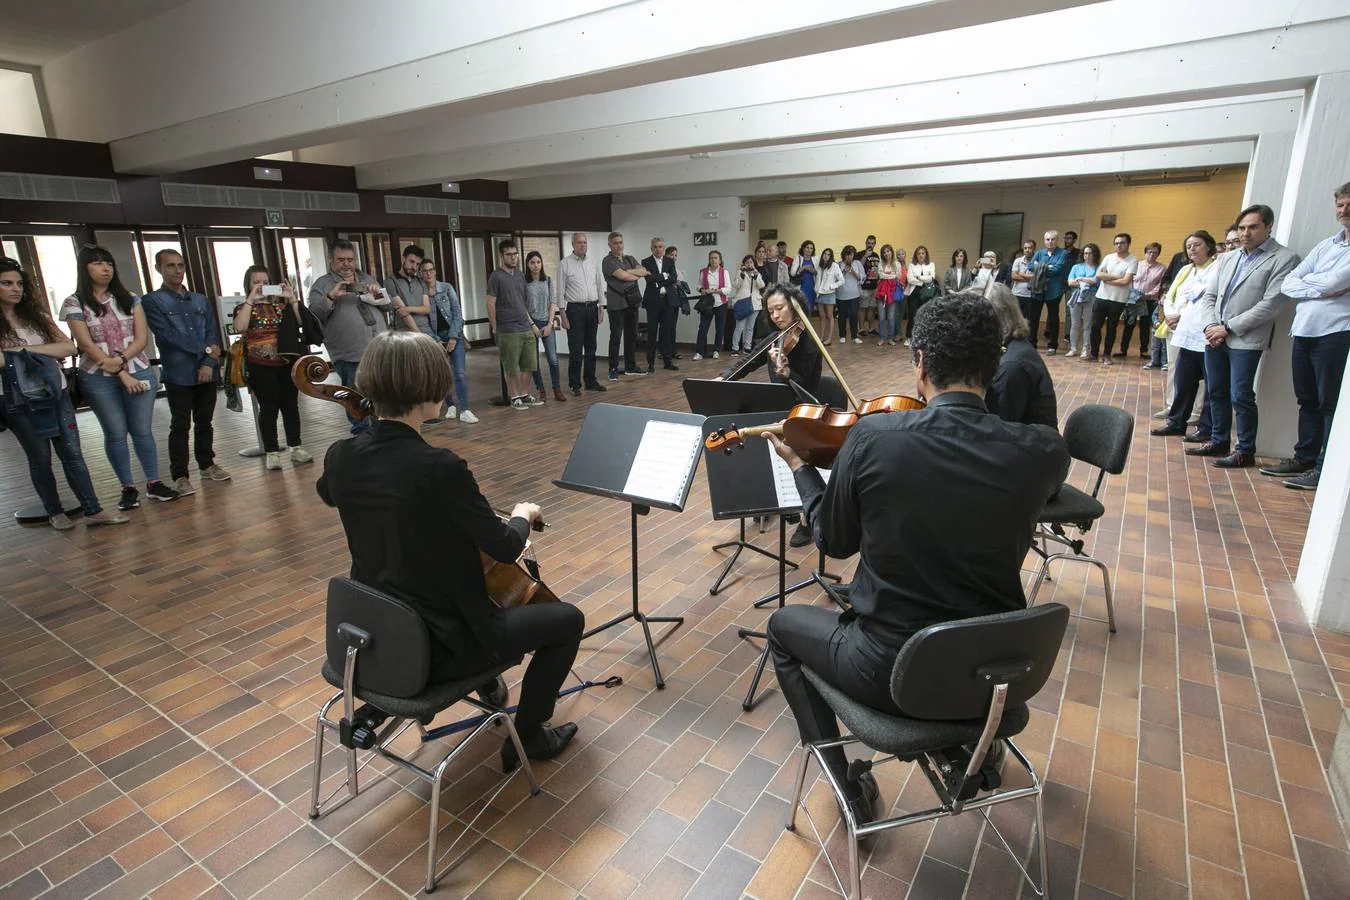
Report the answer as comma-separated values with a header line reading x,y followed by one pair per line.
x,y
275,219
454,223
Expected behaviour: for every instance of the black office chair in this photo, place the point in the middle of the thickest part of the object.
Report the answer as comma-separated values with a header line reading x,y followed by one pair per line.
x,y
379,651
960,687
1099,436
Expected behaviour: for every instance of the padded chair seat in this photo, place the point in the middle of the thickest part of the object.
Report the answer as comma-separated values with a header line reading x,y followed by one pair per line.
x,y
1072,507
431,699
904,736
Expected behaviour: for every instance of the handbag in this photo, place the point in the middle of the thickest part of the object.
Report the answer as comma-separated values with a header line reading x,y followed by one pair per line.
x,y
704,303
234,364
744,308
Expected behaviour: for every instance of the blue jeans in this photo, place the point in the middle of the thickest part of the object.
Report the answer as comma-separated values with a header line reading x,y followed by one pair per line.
x,y
119,412
890,320
347,375
39,453
456,357
1318,366
1230,379
551,354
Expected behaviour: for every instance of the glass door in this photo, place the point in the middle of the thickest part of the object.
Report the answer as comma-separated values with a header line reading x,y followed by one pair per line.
x,y
223,255
374,254
471,271
303,257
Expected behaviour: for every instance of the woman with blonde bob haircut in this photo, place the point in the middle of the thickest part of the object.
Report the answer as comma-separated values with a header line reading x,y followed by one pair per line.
x,y
417,526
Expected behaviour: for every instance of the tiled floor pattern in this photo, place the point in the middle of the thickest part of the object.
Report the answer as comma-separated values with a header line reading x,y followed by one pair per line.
x,y
158,682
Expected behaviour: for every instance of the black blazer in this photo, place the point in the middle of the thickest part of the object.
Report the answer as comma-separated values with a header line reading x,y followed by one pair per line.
x,y
663,275
415,521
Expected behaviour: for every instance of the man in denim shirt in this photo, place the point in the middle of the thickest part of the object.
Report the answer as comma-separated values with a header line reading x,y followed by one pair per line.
x,y
189,357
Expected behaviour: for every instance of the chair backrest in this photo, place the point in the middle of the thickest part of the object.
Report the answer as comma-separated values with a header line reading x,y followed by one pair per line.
x,y
948,670
398,660
831,393
1100,435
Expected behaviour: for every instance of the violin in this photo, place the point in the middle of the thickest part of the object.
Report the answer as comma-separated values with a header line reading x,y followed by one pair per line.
x,y
510,584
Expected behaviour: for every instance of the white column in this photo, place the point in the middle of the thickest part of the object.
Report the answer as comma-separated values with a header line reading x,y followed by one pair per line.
x,y
1320,163
1269,170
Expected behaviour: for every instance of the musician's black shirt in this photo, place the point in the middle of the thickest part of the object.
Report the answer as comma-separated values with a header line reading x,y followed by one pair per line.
x,y
1022,390
941,503
803,363
415,521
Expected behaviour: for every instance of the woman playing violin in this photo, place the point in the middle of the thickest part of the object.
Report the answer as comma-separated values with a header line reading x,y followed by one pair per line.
x,y
792,357
416,523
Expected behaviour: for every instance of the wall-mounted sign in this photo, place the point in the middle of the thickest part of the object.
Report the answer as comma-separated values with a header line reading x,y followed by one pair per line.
x,y
705,239
768,234
275,218
1108,221
742,224
454,223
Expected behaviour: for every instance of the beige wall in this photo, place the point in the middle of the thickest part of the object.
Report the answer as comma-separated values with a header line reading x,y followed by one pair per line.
x,y
950,219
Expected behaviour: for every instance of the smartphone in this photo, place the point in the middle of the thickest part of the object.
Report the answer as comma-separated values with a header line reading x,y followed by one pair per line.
x,y
271,290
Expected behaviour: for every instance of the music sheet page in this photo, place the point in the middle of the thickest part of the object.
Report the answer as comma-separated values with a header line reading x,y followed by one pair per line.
x,y
784,484
664,459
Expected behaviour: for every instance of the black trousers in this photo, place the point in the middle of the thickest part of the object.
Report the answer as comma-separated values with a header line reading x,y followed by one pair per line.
x,y
552,632
276,392
623,324
583,320
661,334
191,406
1051,308
1188,370
836,648
1145,331
1104,312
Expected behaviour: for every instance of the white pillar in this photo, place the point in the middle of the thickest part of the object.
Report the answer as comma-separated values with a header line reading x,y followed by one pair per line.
x,y
1269,170
1320,163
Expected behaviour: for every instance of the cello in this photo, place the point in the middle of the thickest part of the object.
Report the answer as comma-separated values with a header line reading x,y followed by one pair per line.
x,y
815,431
510,584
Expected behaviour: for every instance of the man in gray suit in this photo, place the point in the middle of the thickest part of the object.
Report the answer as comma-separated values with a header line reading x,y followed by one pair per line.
x,y
1238,312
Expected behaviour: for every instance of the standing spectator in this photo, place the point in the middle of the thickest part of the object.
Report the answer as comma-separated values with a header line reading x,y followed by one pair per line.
x,y
802,272
1115,277
773,269
189,357
1238,314
746,304
1071,249
509,319
923,286
31,347
623,298
867,300
350,306
539,298
1022,273
781,248
1147,286
903,290
1022,390
1321,288
661,299
108,325
407,292
1056,263
1082,297
276,330
890,294
682,293
714,287
849,293
1181,315
986,271
447,327
831,279
581,295
958,274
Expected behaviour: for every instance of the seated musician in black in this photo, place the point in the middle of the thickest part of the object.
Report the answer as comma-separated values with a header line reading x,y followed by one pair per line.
x,y
940,503
415,523
1022,390
800,366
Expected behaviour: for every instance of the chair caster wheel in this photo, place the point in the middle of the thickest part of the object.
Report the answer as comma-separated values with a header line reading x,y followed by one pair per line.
x,y
534,792
792,828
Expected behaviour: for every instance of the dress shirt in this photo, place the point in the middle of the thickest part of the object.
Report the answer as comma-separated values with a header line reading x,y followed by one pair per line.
x,y
579,281
415,521
1057,268
184,326
1022,390
941,504
1148,278
1325,271
1245,259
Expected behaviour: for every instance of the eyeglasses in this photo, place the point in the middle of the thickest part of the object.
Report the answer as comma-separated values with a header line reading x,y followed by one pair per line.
x,y
428,268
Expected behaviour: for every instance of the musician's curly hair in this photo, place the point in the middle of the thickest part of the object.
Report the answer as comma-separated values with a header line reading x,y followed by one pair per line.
x,y
960,338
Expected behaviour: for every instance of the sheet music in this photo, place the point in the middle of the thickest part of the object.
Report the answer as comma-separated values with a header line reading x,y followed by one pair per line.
x,y
784,484
664,459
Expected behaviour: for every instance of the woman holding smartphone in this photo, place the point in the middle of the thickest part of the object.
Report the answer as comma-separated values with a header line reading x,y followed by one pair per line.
x,y
276,329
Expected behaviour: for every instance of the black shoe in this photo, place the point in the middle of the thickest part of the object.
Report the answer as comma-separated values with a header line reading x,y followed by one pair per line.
x,y
613,374
1236,460
597,387
1196,437
1287,467
545,743
671,367
494,693
638,371
1168,430
130,499
1209,448
160,491
576,392
801,537
1119,355
865,806
1305,482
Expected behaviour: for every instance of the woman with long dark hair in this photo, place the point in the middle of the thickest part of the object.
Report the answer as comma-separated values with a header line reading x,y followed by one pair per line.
x,y
922,285
1083,287
958,274
109,327
831,279
277,328
31,348
803,273
539,299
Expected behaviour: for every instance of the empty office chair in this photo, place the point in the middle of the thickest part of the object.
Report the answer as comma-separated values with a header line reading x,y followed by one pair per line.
x,y
379,652
960,686
1099,436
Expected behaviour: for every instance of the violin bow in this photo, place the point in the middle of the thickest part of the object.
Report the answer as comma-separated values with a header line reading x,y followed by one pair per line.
x,y
825,354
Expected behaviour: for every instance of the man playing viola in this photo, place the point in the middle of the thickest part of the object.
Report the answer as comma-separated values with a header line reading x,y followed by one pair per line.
x,y
940,504
416,523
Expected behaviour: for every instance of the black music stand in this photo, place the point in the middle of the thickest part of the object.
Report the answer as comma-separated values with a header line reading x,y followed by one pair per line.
x,y
608,460
709,397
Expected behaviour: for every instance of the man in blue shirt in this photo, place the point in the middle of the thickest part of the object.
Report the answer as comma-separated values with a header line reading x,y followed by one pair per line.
x,y
1055,260
189,357
1320,286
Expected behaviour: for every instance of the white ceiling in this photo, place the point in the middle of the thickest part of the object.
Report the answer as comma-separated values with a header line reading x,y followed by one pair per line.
x,y
33,33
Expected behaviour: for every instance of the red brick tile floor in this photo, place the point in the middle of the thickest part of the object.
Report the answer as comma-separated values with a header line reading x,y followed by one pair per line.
x,y
159,680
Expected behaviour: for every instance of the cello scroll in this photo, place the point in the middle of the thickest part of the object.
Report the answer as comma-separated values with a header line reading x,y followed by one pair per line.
x,y
309,374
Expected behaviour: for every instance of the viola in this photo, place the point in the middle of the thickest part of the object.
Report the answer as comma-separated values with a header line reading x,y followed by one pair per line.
x,y
509,584
814,432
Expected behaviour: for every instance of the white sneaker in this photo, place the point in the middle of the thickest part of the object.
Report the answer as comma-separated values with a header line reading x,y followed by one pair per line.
x,y
532,400
452,413
468,418
518,403
857,340
697,357
301,455
715,354
273,460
